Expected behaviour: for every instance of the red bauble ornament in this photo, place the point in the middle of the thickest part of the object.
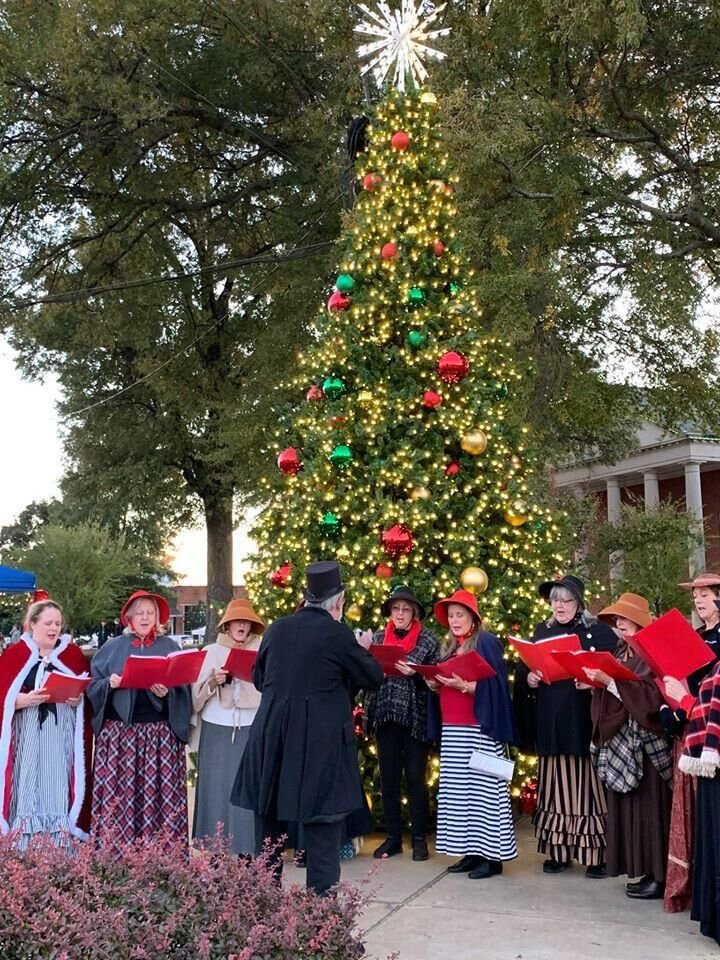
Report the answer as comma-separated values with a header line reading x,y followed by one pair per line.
x,y
398,540
314,393
452,469
279,577
338,301
400,141
528,798
431,399
40,595
389,251
289,462
383,570
337,421
438,248
452,367
371,180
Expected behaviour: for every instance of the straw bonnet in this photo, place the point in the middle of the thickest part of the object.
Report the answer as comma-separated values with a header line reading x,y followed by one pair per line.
x,y
240,609
703,580
631,606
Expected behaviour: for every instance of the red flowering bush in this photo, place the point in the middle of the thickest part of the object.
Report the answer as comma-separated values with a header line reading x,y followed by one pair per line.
x,y
153,902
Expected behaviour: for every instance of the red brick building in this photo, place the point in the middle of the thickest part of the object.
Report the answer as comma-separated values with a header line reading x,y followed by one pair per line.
x,y
187,597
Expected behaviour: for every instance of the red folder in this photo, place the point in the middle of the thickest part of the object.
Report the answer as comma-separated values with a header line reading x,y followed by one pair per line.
x,y
468,666
387,655
240,663
536,657
175,670
429,671
63,688
670,646
575,663
671,701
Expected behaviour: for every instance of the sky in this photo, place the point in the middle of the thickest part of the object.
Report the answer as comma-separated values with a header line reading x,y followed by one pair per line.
x,y
33,462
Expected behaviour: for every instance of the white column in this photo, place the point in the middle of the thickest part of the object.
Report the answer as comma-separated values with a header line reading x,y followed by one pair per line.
x,y
612,487
694,507
652,489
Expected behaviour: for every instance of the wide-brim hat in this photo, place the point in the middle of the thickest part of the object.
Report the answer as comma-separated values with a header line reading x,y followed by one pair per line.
x,y
241,609
464,598
402,593
162,605
631,606
703,580
323,580
568,582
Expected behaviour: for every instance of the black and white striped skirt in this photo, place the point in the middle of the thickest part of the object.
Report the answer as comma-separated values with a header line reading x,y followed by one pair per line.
x,y
474,813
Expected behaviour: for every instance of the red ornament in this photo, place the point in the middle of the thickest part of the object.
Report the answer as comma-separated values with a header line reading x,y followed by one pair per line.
x,y
40,595
398,540
452,367
370,181
389,251
431,399
338,301
337,421
452,469
314,393
438,248
528,798
289,462
400,141
279,577
383,570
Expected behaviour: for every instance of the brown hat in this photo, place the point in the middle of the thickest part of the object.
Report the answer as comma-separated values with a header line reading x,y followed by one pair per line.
x,y
631,606
240,609
703,580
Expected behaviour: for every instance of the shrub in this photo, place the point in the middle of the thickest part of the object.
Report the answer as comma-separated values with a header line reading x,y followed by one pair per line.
x,y
153,902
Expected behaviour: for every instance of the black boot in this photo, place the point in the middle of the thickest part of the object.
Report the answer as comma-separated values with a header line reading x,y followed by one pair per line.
x,y
388,848
419,848
488,868
465,865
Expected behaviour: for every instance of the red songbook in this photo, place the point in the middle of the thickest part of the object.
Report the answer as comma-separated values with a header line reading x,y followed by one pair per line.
x,y
427,670
387,655
575,664
240,663
175,670
671,701
63,688
536,657
670,646
468,666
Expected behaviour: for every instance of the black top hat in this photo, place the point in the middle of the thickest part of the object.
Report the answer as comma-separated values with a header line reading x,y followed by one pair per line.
x,y
568,582
323,580
402,593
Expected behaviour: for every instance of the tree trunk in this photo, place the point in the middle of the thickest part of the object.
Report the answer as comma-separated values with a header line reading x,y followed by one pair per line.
x,y
219,525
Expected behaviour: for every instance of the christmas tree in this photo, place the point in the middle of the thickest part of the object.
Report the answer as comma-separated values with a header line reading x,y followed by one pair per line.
x,y
403,458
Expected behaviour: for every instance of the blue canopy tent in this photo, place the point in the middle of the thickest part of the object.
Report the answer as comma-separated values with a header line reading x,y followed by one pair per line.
x,y
16,581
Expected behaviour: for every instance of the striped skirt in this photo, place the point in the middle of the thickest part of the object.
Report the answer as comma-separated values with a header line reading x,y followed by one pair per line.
x,y
139,783
474,814
571,814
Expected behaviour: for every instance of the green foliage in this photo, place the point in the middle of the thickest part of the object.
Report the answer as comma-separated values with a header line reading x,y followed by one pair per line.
x,y
654,546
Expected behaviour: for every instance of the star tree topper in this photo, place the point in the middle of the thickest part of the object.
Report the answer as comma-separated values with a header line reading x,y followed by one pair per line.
x,y
403,41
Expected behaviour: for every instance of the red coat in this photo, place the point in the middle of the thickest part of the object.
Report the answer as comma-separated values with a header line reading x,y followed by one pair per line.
x,y
15,663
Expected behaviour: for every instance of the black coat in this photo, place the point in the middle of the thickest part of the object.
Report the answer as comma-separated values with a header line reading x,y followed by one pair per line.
x,y
301,762
555,718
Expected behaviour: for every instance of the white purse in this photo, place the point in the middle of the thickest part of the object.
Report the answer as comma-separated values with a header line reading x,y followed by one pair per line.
x,y
498,767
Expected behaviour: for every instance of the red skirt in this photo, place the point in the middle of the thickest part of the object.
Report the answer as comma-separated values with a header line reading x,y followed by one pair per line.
x,y
678,882
139,783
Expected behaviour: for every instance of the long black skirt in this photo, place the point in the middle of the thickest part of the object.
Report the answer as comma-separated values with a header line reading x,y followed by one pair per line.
x,y
706,876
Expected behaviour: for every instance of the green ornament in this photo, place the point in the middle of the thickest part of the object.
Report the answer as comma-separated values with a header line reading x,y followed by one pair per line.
x,y
500,392
333,387
331,523
344,283
341,456
416,296
454,288
416,339
539,526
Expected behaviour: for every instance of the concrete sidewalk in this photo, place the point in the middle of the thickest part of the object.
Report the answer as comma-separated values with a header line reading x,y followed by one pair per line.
x,y
424,913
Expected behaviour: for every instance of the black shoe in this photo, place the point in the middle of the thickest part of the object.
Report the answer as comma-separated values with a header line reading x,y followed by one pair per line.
x,y
465,865
654,890
637,884
388,848
488,868
598,872
555,866
420,850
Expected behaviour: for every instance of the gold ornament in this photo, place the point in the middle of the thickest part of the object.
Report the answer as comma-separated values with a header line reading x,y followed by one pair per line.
x,y
420,493
354,613
474,442
474,580
343,553
438,184
427,96
364,397
516,513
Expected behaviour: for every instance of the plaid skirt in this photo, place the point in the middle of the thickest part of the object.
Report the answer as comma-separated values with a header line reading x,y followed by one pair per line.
x,y
139,783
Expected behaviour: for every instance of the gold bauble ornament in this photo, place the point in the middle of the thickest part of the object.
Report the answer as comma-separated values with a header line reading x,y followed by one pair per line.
x,y
474,580
516,513
427,96
343,553
364,397
420,493
474,442
354,613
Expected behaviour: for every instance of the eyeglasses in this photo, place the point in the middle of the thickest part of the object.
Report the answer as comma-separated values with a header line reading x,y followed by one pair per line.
x,y
401,608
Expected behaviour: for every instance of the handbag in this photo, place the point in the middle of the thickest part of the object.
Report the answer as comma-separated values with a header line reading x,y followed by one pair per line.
x,y
501,768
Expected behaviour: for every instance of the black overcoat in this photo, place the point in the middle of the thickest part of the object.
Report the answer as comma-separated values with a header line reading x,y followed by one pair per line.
x,y
555,718
301,761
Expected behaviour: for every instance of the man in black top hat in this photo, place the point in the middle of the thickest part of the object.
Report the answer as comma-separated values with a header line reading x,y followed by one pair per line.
x,y
300,762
